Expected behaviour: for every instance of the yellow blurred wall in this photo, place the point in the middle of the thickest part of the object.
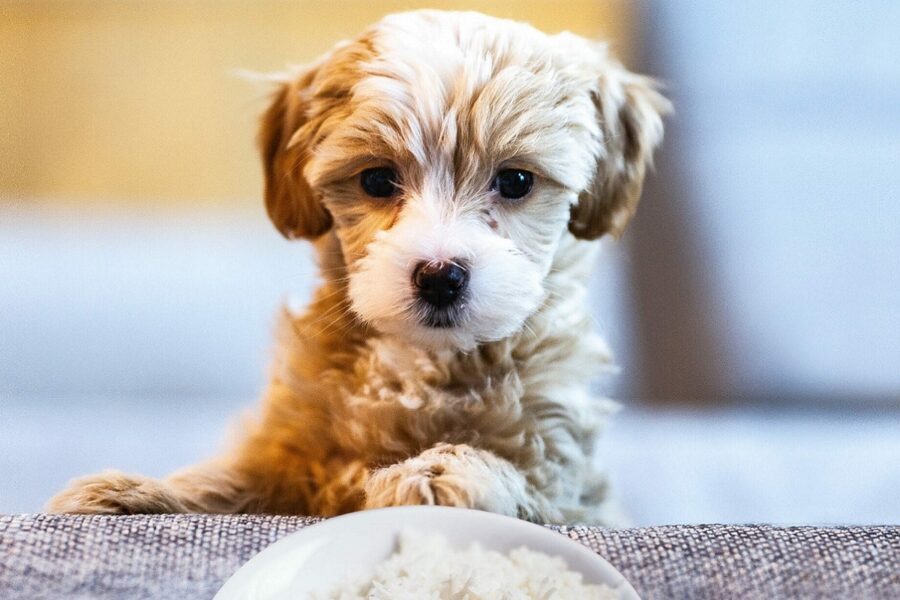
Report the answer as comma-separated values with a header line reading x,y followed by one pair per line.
x,y
108,101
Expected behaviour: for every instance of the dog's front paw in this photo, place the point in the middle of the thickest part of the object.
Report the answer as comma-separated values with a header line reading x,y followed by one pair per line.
x,y
429,478
114,493
457,475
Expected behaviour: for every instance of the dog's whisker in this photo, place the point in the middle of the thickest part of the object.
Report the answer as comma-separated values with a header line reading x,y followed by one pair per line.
x,y
342,327
323,297
339,310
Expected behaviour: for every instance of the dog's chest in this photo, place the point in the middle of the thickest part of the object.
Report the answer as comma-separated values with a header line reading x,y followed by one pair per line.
x,y
399,399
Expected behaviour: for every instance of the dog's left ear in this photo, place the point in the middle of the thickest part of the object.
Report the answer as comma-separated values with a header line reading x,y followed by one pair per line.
x,y
630,111
292,205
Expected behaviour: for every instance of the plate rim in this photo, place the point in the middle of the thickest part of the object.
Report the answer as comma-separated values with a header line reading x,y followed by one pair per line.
x,y
235,581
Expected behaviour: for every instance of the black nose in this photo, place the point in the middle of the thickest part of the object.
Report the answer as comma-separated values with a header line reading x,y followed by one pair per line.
x,y
440,284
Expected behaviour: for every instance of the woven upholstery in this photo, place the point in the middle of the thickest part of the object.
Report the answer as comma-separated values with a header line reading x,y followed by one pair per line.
x,y
190,556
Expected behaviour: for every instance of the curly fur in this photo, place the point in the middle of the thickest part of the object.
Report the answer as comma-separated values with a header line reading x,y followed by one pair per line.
x,y
368,406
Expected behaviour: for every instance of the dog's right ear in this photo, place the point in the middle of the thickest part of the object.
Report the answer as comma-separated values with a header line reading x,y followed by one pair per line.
x,y
630,110
292,205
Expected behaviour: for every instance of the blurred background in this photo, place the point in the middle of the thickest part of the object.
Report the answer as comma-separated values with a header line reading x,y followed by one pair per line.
x,y
754,305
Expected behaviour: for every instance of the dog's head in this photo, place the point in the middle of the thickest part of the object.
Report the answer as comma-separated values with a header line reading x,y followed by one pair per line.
x,y
450,153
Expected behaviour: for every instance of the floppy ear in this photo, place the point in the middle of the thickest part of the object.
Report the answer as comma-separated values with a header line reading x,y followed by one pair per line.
x,y
292,205
630,111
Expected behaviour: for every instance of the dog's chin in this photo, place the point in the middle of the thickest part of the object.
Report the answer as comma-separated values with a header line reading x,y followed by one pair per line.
x,y
440,331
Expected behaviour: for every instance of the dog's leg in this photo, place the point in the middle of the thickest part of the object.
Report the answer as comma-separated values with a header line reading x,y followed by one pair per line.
x,y
459,475
284,485
115,493
211,487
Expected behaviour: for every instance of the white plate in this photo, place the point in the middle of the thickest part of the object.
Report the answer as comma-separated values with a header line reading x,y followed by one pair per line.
x,y
319,557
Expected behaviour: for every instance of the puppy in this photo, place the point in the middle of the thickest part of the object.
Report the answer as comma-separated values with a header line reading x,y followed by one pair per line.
x,y
450,169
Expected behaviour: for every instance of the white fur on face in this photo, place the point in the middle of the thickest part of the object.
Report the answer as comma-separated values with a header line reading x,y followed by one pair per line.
x,y
504,284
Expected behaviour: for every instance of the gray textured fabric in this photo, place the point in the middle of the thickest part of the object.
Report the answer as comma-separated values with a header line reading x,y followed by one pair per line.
x,y
190,556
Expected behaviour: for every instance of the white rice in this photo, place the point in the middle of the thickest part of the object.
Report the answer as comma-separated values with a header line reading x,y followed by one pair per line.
x,y
426,568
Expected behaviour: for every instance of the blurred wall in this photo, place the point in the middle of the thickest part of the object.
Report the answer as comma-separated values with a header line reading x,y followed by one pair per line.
x,y
767,256
139,100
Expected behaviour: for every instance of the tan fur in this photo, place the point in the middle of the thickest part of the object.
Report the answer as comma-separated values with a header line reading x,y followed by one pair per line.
x,y
366,406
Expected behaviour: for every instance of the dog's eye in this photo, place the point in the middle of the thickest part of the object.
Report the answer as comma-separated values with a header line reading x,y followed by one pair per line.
x,y
380,182
513,183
